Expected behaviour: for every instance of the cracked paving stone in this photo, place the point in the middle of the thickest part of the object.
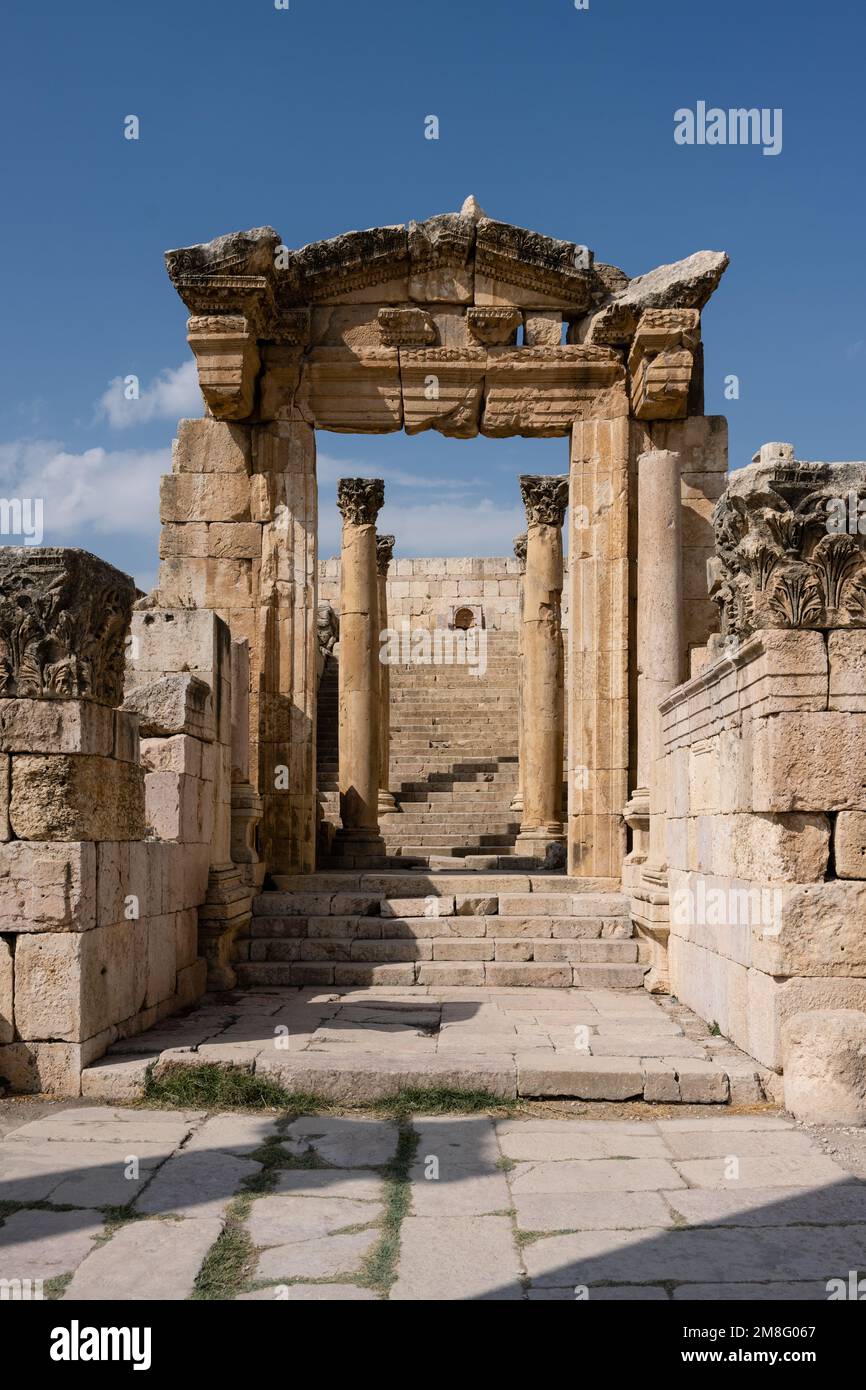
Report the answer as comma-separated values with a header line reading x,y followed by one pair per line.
x,y
344,1142
46,1244
196,1184
146,1260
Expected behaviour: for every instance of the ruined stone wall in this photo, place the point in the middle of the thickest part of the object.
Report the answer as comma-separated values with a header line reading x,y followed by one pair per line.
x,y
765,751
101,874
427,592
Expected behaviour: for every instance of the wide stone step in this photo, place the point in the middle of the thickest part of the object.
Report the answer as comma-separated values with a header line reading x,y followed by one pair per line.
x,y
444,974
401,949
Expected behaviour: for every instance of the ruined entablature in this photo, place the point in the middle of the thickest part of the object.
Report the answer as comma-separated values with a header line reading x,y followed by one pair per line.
x,y
790,552
370,316
64,617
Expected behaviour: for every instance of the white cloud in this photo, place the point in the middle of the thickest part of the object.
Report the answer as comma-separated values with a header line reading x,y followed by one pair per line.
x,y
100,491
172,395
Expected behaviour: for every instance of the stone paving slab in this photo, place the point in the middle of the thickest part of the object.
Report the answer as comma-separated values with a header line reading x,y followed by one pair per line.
x,y
146,1261
534,1209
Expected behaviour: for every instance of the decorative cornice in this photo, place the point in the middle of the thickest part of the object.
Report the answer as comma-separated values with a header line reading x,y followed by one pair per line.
x,y
360,500
545,499
64,616
406,328
789,553
384,553
494,325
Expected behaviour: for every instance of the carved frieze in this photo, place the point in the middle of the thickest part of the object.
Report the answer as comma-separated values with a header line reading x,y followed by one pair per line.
x,y
494,325
442,390
360,500
406,328
789,551
64,616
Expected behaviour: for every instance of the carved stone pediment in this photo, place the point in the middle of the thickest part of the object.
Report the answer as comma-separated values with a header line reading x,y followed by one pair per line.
x,y
789,551
548,271
64,616
450,282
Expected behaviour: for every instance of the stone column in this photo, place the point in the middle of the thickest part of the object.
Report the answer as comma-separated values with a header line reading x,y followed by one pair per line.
x,y
387,802
598,745
359,500
520,554
660,648
543,721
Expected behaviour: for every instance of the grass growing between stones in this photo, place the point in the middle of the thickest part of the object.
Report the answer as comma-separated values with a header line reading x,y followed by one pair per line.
x,y
379,1269
231,1260
212,1087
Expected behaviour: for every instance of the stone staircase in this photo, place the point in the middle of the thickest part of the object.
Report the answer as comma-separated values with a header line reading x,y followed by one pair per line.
x,y
441,929
453,760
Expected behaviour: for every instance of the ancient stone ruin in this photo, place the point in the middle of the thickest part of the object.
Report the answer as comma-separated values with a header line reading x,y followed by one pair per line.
x,y
640,767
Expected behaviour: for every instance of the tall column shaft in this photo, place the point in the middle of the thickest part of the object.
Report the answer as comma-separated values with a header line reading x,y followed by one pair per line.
x,y
387,803
520,555
543,699
660,624
359,500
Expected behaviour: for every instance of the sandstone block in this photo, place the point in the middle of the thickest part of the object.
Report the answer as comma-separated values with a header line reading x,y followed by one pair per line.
x,y
211,446
5,793
847,656
824,1061
849,844
819,932
810,761
175,704
47,886
7,1023
70,986
76,798
56,726
793,847
204,497
179,753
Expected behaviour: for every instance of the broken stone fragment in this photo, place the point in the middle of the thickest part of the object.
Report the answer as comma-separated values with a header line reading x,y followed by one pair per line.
x,y
179,704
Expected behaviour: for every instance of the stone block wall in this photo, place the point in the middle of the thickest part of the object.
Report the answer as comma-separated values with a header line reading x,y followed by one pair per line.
x,y
766,834
427,592
101,874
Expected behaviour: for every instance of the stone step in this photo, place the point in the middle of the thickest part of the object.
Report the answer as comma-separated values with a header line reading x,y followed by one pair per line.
x,y
401,949
403,883
443,974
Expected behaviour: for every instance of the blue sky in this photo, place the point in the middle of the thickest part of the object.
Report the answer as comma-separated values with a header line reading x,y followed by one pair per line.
x,y
312,120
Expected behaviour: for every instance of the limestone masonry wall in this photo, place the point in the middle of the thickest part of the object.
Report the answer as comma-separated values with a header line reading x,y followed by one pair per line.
x,y
428,592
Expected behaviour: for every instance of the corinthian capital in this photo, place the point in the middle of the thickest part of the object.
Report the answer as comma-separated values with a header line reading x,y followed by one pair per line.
x,y
520,550
360,499
545,499
384,553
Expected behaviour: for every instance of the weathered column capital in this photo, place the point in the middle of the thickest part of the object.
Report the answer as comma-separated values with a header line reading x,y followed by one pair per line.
x,y
520,550
384,553
545,498
790,552
360,499
64,616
